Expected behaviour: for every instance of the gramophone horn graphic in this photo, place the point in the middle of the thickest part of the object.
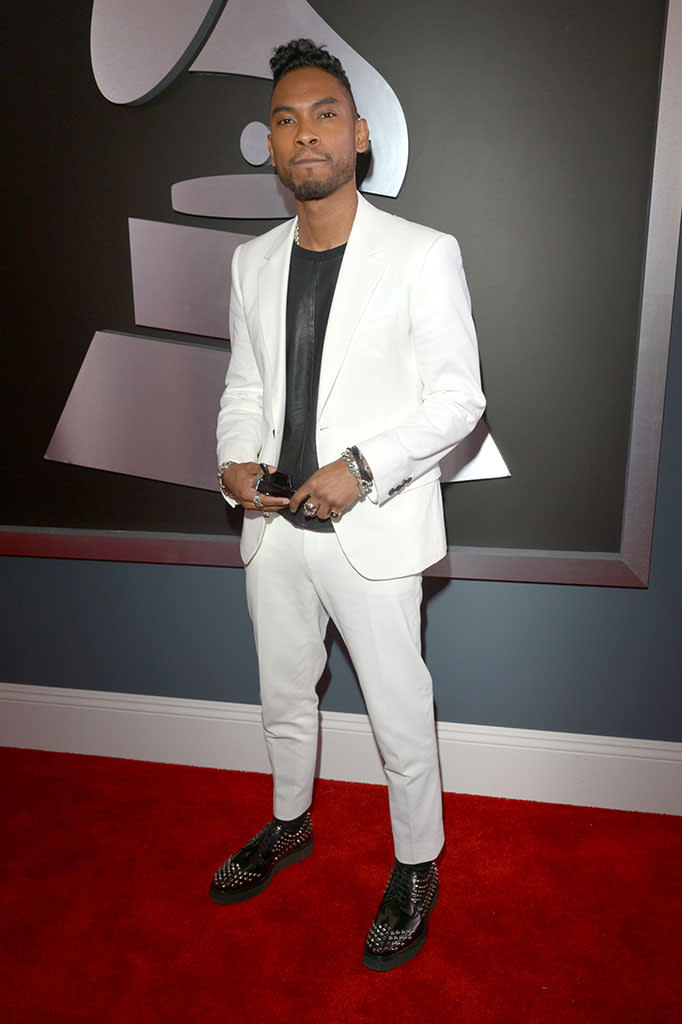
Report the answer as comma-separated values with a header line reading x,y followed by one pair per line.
x,y
181,274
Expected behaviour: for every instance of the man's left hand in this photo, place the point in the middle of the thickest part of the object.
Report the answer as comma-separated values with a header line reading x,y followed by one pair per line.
x,y
333,488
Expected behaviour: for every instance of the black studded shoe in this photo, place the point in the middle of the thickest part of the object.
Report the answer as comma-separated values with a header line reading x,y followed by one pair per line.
x,y
251,870
398,931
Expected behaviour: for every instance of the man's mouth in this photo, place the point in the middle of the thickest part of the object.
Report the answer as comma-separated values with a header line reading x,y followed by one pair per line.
x,y
310,160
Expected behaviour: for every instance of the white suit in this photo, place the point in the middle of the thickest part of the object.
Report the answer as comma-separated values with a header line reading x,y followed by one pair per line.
x,y
399,379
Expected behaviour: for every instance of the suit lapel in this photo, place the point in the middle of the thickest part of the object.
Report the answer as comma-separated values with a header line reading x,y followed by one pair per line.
x,y
273,278
363,266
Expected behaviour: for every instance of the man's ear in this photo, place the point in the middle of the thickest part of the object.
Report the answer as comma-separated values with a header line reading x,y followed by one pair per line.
x,y
361,135
272,155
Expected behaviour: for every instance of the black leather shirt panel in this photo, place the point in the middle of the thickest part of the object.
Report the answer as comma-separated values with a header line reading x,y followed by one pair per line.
x,y
312,281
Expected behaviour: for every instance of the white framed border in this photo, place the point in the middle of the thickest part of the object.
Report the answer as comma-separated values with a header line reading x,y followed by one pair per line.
x,y
523,764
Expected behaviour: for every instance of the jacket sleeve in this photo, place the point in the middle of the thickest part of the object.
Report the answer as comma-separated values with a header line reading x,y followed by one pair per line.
x,y
446,350
240,417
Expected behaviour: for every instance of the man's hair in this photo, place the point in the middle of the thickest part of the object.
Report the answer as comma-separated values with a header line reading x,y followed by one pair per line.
x,y
304,53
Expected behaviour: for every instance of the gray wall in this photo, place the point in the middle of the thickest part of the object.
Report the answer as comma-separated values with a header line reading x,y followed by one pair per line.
x,y
574,659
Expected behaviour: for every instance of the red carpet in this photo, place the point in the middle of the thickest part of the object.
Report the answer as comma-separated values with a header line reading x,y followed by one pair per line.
x,y
547,913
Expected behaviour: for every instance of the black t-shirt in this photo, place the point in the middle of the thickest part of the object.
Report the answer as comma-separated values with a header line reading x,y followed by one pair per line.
x,y
312,280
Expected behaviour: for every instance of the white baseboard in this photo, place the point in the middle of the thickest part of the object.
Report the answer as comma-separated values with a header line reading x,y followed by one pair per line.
x,y
525,764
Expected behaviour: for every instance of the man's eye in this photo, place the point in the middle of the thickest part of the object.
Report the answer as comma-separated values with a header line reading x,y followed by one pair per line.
x,y
327,113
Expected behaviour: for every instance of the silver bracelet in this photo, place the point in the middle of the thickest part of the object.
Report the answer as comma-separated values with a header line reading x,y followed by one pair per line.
x,y
364,485
221,469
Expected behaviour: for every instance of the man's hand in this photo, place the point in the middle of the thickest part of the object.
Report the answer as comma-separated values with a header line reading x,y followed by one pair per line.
x,y
331,488
240,480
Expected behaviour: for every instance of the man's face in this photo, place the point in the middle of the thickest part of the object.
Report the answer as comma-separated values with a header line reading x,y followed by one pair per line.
x,y
315,135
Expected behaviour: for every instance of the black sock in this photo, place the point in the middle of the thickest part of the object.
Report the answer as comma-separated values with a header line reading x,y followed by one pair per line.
x,y
421,869
293,825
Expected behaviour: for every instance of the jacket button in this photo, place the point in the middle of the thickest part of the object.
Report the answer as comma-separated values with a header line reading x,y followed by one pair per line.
x,y
392,491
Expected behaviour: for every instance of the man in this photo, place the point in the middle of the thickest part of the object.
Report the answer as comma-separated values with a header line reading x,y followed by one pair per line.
x,y
354,370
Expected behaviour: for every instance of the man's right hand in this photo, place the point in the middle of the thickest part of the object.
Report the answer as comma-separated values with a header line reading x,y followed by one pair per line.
x,y
240,480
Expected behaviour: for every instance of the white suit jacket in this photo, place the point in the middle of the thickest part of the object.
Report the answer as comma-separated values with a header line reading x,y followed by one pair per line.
x,y
399,379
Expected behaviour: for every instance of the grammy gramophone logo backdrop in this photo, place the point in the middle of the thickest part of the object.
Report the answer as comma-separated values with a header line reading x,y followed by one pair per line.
x,y
180,273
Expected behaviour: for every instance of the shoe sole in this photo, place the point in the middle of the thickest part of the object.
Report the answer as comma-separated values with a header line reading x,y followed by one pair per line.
x,y
375,962
228,896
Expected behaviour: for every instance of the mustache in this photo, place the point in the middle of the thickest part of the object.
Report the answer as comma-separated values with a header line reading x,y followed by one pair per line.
x,y
317,155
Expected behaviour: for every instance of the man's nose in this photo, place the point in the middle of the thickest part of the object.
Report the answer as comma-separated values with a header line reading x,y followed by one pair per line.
x,y
307,132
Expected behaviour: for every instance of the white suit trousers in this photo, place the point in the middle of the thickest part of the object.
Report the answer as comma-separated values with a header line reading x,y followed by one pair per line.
x,y
297,580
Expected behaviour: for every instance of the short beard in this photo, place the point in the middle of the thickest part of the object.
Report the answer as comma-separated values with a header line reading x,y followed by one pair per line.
x,y
314,188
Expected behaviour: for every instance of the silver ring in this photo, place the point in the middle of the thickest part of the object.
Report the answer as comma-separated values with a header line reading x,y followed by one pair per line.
x,y
310,510
333,514
257,502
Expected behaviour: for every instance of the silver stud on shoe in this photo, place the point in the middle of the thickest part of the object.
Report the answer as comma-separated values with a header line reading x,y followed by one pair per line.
x,y
399,930
250,870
